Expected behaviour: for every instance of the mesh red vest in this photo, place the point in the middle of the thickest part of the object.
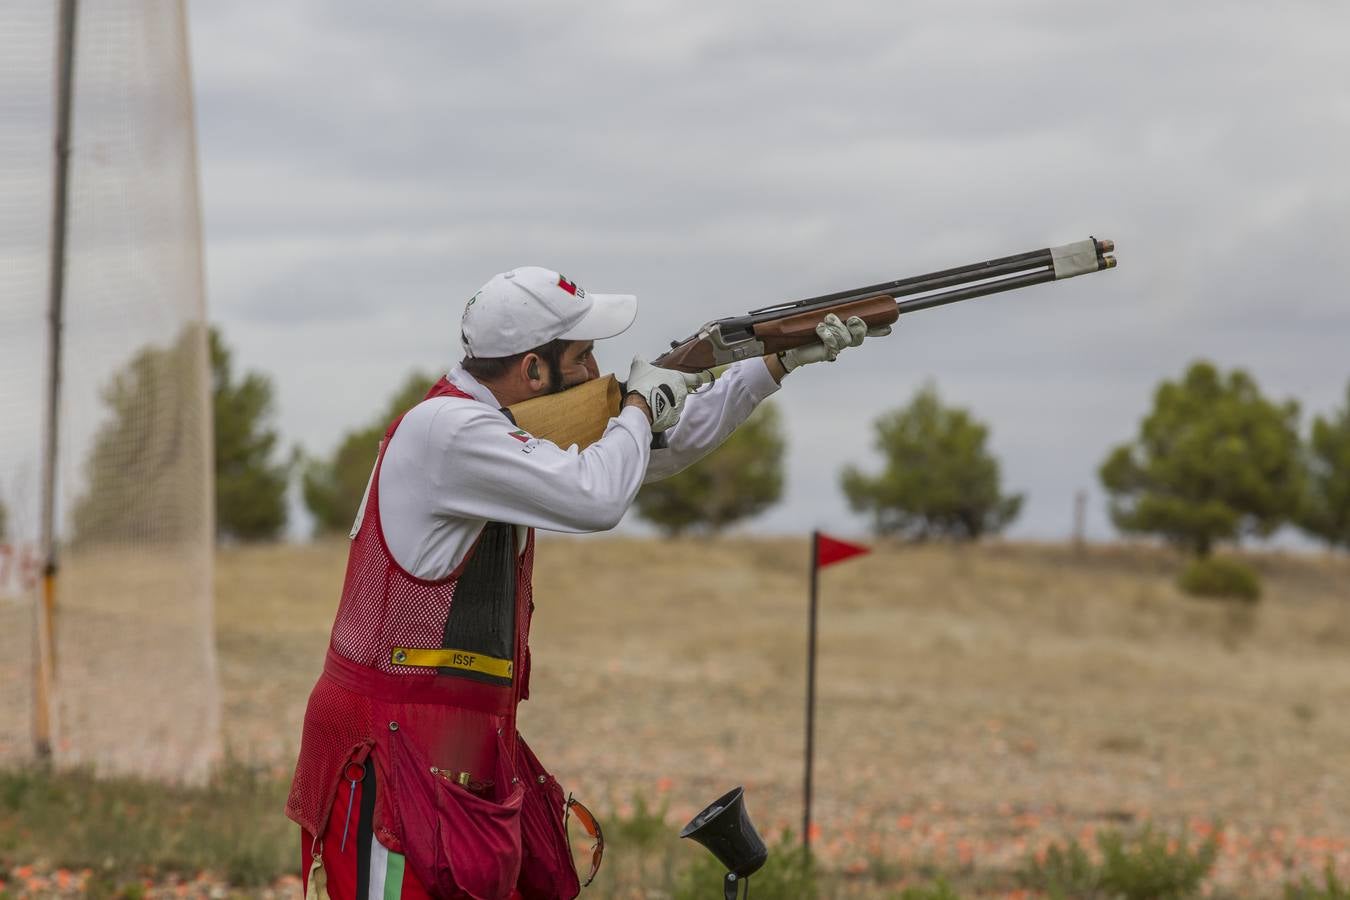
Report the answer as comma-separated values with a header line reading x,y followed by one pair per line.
x,y
479,612
384,607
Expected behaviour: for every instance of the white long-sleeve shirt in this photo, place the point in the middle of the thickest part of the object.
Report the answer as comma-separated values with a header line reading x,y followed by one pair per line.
x,y
455,464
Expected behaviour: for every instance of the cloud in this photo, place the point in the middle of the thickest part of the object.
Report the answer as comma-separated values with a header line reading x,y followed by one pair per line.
x,y
366,168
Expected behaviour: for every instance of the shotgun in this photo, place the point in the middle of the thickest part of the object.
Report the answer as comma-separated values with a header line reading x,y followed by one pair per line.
x,y
579,414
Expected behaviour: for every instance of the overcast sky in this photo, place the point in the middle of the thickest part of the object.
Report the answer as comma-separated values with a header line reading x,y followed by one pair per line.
x,y
365,167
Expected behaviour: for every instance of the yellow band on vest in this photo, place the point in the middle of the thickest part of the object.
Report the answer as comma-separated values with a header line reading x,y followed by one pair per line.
x,y
452,659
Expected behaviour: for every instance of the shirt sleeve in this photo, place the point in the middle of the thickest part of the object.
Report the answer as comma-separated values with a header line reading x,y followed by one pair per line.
x,y
483,467
710,416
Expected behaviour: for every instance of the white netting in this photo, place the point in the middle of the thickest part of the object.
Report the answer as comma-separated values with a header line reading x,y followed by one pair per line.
x,y
26,41
136,685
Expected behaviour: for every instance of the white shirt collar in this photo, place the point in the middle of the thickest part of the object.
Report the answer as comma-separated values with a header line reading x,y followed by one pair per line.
x,y
472,386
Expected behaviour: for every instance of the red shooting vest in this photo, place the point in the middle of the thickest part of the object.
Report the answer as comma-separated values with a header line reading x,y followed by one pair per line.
x,y
429,729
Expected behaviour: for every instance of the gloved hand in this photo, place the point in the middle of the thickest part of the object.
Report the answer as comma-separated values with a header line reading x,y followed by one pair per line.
x,y
664,390
835,337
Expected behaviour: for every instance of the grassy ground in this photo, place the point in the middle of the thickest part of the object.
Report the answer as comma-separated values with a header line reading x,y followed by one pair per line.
x,y
977,705
70,833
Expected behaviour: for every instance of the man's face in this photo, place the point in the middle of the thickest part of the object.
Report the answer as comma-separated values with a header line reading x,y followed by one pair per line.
x,y
576,366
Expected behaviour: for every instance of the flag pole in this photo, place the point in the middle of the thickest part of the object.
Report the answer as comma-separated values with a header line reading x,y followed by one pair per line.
x,y
44,661
810,693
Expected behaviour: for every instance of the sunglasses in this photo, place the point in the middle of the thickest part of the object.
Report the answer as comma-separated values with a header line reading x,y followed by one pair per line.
x,y
592,826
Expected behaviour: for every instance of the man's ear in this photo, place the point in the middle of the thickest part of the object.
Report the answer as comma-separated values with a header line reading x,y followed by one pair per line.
x,y
532,373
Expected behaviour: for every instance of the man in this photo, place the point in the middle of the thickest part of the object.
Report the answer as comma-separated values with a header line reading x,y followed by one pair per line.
x,y
412,779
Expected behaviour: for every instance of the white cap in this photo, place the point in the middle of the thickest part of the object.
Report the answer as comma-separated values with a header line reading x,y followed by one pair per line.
x,y
527,307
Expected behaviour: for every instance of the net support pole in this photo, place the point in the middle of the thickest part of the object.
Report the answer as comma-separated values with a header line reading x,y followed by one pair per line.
x,y
810,694
44,659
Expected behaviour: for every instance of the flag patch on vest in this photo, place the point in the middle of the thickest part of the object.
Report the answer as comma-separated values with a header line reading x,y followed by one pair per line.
x,y
521,435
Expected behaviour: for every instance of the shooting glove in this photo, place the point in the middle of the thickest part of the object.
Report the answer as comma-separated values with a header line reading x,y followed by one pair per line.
x,y
664,390
835,336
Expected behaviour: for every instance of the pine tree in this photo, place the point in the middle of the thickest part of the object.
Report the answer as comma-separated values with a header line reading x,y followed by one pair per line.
x,y
1214,461
737,481
143,473
250,485
1326,507
333,487
938,480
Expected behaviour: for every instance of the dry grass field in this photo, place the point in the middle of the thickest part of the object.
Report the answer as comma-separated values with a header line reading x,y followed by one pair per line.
x,y
975,704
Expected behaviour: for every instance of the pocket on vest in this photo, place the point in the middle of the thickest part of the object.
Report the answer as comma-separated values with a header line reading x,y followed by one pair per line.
x,y
456,842
547,870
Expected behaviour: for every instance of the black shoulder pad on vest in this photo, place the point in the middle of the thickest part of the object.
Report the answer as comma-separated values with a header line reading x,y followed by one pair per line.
x,y
482,615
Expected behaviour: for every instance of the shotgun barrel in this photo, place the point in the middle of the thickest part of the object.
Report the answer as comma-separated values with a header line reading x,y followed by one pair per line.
x,y
772,329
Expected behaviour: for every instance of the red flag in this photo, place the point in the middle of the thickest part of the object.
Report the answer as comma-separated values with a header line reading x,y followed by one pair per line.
x,y
829,550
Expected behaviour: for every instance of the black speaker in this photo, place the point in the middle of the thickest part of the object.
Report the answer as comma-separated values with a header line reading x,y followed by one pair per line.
x,y
725,829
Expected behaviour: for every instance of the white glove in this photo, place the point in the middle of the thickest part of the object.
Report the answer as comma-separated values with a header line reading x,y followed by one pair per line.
x,y
664,390
835,337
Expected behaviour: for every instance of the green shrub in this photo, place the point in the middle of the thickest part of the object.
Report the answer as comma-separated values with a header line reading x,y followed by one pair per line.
x,y
1146,866
788,875
938,890
1218,577
1066,872
643,829
1306,890
641,848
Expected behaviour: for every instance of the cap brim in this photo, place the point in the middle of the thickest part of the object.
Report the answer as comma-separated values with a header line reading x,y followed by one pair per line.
x,y
610,314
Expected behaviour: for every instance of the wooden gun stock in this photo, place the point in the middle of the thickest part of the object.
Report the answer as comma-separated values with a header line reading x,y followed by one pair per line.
x,y
577,415
800,329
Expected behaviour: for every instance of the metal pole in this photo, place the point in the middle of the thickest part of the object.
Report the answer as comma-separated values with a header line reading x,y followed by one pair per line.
x,y
45,657
1079,521
811,692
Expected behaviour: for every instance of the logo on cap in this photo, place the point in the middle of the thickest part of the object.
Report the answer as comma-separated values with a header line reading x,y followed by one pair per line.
x,y
571,287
